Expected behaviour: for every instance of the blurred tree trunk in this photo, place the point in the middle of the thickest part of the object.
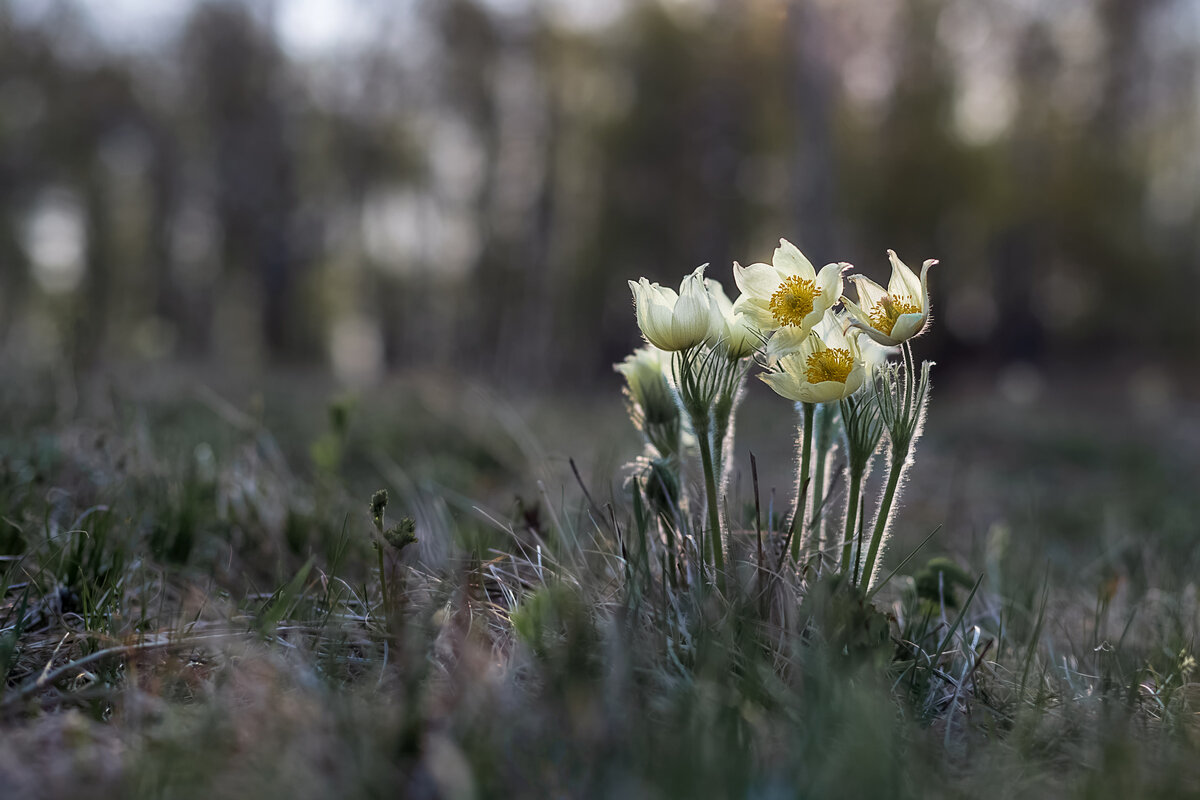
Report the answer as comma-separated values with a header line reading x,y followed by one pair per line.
x,y
239,72
95,300
814,179
187,313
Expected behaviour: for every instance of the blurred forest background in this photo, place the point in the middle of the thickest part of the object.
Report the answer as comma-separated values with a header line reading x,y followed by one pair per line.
x,y
467,184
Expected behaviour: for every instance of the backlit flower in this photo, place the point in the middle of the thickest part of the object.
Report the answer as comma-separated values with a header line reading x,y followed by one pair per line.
x,y
730,330
673,321
894,315
788,292
646,373
825,367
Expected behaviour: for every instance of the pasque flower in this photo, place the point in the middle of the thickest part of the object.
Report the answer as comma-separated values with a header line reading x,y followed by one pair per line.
x,y
671,321
646,373
825,367
788,292
896,314
731,330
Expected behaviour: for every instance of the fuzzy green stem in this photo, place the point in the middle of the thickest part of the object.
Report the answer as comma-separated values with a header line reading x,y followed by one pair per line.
x,y
802,489
856,480
885,512
821,444
710,489
910,377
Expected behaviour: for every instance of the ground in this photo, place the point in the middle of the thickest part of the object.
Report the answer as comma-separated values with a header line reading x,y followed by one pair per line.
x,y
192,601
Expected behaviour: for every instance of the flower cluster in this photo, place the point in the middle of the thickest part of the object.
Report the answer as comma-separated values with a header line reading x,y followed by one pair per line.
x,y
813,351
816,346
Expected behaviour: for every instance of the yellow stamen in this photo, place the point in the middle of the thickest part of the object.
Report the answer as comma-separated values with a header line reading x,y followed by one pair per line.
x,y
793,300
883,316
834,364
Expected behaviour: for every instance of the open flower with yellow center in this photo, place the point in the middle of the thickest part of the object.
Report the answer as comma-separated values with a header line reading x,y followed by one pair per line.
x,y
788,292
896,314
825,367
730,330
835,325
673,321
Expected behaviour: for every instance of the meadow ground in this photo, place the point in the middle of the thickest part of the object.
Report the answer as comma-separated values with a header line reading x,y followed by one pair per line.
x,y
193,603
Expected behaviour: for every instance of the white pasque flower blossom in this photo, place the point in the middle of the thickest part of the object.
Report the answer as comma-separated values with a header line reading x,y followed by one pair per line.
x,y
647,372
894,315
730,330
788,292
824,367
671,321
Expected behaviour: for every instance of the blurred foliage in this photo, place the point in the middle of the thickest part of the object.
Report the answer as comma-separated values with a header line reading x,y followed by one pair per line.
x,y
469,183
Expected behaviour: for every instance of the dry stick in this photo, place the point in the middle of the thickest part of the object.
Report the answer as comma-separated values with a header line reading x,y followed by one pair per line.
x,y
758,573
586,494
790,533
862,513
50,677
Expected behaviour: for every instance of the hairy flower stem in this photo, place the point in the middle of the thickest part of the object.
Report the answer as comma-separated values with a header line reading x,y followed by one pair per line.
x,y
903,428
910,372
723,411
700,426
856,479
802,489
885,511
822,441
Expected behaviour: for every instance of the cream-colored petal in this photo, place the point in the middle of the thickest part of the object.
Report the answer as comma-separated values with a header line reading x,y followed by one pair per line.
x,y
832,329
875,334
783,384
790,261
742,338
873,354
823,392
694,279
690,323
717,293
785,341
757,280
661,294
925,283
655,323
869,292
757,310
856,314
829,281
814,317
904,283
908,325
856,379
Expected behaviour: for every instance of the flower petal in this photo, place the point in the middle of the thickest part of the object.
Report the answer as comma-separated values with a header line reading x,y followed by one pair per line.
x,y
785,342
790,261
717,292
908,325
829,281
783,384
758,280
691,320
757,310
904,282
869,292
